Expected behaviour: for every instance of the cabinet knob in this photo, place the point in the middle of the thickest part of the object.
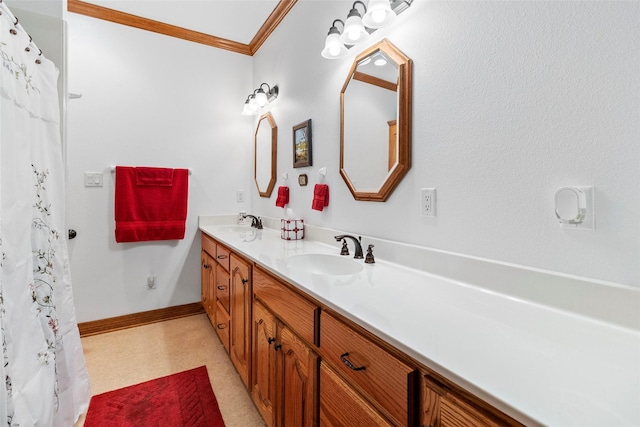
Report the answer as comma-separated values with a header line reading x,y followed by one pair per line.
x,y
245,281
270,340
222,257
206,266
277,347
221,288
221,325
350,365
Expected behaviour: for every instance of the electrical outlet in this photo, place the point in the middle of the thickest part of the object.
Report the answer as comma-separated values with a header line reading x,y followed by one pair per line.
x,y
151,282
428,201
240,196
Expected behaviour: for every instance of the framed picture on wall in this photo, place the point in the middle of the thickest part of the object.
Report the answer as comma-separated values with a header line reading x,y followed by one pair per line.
x,y
302,145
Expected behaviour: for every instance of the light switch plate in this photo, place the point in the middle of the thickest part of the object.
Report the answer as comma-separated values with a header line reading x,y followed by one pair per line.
x,y
93,179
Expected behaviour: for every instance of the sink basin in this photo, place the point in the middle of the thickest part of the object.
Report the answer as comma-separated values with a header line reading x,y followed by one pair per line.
x,y
234,228
324,264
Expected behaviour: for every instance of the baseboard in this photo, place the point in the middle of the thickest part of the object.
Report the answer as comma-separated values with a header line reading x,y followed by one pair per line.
x,y
111,324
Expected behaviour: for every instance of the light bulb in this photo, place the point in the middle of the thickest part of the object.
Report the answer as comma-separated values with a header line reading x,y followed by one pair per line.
x,y
378,16
261,98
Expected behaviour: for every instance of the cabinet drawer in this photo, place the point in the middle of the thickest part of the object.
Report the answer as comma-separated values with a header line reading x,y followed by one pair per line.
x,y
296,311
222,256
222,325
340,405
386,380
209,245
222,287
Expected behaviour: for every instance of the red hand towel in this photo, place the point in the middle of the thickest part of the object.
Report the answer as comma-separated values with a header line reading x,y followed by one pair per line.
x,y
283,196
154,176
148,206
320,197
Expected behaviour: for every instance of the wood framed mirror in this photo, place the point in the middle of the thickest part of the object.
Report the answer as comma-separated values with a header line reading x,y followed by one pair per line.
x,y
265,154
375,122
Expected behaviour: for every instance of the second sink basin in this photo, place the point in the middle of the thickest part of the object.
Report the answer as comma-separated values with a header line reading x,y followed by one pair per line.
x,y
324,264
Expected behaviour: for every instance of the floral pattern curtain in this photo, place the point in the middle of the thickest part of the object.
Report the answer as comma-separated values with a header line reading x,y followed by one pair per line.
x,y
45,377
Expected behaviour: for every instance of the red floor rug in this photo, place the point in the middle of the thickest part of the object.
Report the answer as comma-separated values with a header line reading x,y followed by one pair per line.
x,y
184,399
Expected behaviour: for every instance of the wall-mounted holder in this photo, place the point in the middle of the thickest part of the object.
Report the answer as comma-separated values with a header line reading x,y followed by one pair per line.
x,y
322,173
574,207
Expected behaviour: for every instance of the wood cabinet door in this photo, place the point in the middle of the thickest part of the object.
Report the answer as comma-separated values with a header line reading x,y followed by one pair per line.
x,y
297,381
240,333
263,387
340,405
207,283
442,407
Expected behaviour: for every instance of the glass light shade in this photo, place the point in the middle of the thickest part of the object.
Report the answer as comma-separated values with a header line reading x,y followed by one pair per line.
x,y
333,47
261,98
354,32
379,14
247,110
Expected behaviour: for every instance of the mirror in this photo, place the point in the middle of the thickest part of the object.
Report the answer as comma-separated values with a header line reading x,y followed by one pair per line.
x,y
265,150
375,122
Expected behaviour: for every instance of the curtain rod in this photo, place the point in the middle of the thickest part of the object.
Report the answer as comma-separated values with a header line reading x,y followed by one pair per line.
x,y
4,8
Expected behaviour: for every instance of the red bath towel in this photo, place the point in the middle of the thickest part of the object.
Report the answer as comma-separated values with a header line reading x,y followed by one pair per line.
x,y
320,197
150,203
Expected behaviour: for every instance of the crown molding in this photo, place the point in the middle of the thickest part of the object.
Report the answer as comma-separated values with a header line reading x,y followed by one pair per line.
x,y
111,15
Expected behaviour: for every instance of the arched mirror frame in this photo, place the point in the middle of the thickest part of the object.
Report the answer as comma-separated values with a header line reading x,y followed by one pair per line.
x,y
403,123
268,118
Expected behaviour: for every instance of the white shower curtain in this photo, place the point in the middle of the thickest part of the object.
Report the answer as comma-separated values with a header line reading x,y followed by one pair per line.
x,y
46,381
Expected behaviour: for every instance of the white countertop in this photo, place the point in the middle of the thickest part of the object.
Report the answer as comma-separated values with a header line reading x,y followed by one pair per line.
x,y
538,362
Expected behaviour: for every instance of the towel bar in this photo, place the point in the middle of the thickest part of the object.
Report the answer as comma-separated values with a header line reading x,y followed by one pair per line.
x,y
113,170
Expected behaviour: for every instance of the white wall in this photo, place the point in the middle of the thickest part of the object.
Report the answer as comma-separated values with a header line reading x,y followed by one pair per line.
x,y
51,8
149,100
512,100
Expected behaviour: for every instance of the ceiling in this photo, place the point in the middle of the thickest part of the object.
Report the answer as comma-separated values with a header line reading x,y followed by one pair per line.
x,y
237,25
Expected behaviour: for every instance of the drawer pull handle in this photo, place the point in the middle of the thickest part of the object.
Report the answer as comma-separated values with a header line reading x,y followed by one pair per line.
x,y
351,365
222,257
221,288
270,340
277,347
221,325
206,265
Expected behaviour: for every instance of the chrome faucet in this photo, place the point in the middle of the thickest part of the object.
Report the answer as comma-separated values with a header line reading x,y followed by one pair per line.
x,y
256,222
358,254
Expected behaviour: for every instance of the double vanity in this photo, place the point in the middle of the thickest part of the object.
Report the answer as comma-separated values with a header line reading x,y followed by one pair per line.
x,y
418,338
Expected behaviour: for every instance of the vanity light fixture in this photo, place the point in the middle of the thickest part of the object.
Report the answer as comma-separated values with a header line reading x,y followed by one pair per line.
x,y
380,60
333,47
379,14
259,99
354,31
357,28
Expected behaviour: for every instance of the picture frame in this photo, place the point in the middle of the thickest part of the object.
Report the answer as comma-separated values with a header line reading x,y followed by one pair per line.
x,y
302,153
